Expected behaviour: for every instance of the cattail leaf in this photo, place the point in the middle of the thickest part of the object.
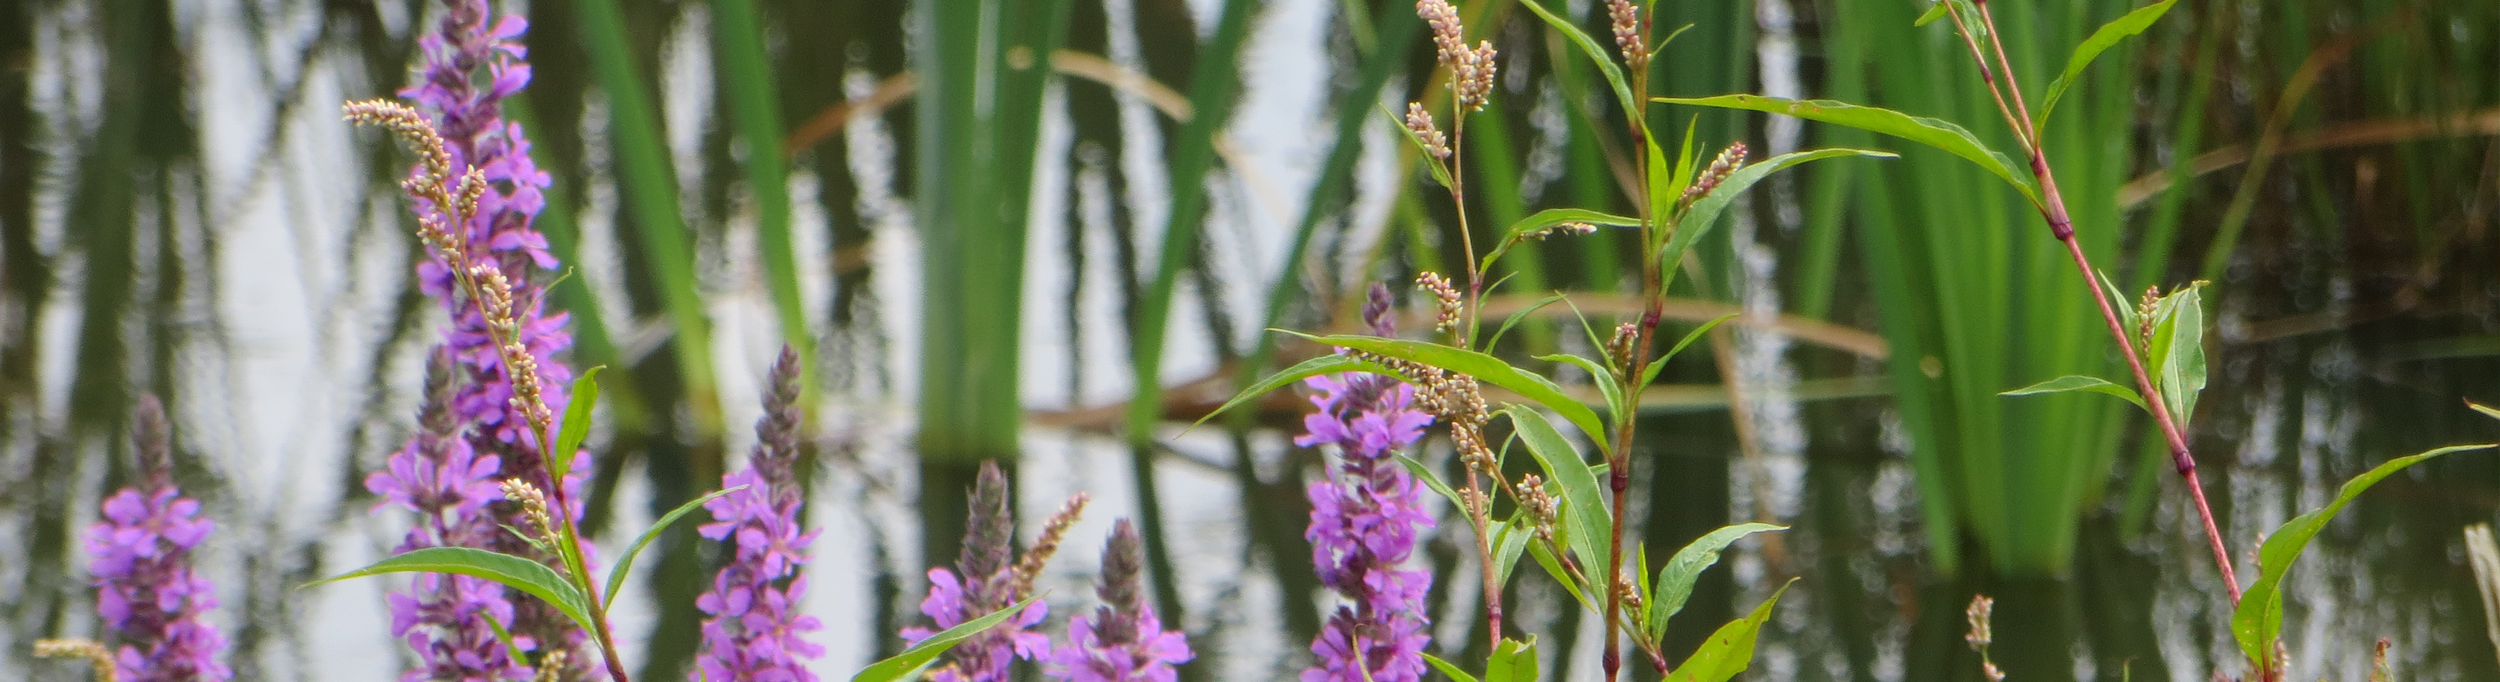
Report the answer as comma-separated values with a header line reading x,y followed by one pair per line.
x,y
1730,650
1457,674
1326,364
2106,37
904,665
576,425
1675,580
1596,53
2485,409
2076,382
1483,367
1651,374
1583,497
1940,134
511,571
625,563
1705,211
1513,661
2258,620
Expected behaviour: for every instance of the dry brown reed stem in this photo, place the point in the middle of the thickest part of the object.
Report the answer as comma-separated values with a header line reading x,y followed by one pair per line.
x,y
2052,207
98,657
483,283
1029,567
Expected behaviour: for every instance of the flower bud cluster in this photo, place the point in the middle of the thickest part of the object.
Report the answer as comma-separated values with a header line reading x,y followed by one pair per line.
x,y
1726,164
1450,308
1626,20
1419,124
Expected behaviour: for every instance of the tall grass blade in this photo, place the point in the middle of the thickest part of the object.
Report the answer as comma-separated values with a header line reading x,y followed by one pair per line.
x,y
755,111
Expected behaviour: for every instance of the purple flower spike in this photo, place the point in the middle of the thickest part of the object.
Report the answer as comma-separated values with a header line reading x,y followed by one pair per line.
x,y
140,554
752,627
1123,641
1364,520
983,582
440,477
473,61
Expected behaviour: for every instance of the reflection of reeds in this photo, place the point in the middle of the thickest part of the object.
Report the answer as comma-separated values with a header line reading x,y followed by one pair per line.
x,y
2484,554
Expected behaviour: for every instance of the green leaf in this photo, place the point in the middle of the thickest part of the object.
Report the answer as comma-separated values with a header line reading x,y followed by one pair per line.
x,y
2258,621
1422,473
1730,650
1545,557
1943,135
2178,351
1664,188
576,424
1484,368
902,665
1326,364
625,563
1583,498
503,635
2485,409
1675,580
2077,382
1513,661
1934,12
1698,219
1508,544
1457,674
1603,377
1588,46
2109,34
1557,216
1516,317
1651,374
515,572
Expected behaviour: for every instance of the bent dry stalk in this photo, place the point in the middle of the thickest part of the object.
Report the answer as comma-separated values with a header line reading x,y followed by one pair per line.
x,y
2052,208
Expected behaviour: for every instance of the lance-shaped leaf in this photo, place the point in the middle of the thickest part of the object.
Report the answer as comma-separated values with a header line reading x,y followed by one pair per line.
x,y
511,571
1456,674
2108,36
2177,350
2077,382
576,424
1484,368
1588,46
1651,374
2258,620
1548,219
1730,650
1616,404
1675,580
1705,211
1325,364
904,664
1940,134
1583,500
1515,318
625,564
1424,474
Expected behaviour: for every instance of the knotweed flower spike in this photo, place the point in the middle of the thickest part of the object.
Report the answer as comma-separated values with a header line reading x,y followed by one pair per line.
x,y
1122,641
752,629
1625,19
1364,519
147,592
1419,123
982,582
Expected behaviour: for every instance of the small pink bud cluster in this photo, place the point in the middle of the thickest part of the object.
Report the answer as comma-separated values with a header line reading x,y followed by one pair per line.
x,y
1471,68
1626,19
1419,123
1729,160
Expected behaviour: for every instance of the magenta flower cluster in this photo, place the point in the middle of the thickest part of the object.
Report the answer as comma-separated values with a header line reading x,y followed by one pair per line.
x,y
1364,521
147,592
981,583
473,436
1122,641
752,628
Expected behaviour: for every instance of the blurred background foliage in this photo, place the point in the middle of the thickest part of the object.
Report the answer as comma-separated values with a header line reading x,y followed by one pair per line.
x,y
987,219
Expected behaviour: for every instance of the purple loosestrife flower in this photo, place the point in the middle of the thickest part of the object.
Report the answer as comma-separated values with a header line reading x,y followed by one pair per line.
x,y
146,590
439,476
1123,641
983,582
752,628
1364,521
